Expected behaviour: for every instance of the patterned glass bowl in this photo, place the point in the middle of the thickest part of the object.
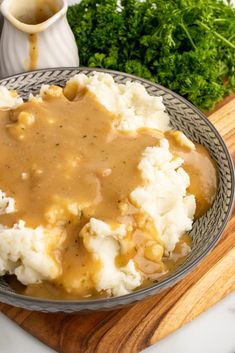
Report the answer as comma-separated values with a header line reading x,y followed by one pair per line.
x,y
206,230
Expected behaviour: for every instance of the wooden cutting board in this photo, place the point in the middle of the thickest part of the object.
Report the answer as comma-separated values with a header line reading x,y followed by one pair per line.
x,y
134,328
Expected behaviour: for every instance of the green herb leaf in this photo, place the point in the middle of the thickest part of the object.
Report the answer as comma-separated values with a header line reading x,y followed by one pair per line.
x,y
185,45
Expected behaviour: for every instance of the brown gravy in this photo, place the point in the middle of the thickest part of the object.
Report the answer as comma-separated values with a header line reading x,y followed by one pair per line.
x,y
34,12
33,51
67,155
60,152
202,171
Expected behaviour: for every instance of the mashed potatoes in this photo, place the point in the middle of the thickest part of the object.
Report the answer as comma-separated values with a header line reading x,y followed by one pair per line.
x,y
9,99
105,242
131,103
7,204
29,253
164,196
154,216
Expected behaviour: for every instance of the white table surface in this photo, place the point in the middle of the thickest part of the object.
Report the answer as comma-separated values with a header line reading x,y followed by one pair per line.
x,y
212,332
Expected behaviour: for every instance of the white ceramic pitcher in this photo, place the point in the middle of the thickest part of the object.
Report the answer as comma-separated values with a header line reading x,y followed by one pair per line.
x,y
36,35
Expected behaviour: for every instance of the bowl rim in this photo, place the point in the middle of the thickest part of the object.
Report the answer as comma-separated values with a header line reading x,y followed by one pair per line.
x,y
92,304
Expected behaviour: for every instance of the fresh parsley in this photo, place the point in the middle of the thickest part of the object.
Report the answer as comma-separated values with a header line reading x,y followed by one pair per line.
x,y
185,45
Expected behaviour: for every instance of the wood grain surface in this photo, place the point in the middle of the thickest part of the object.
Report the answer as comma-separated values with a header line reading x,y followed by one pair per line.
x,y
134,328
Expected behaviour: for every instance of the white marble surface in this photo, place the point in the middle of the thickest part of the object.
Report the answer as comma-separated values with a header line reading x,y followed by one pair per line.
x,y
212,332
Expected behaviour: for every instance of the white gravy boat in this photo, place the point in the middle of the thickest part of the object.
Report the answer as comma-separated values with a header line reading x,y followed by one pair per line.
x,y
36,35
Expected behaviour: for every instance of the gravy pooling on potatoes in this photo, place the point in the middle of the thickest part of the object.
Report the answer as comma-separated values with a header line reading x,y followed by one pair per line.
x,y
64,152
